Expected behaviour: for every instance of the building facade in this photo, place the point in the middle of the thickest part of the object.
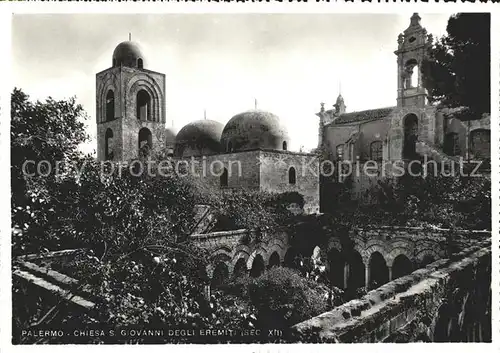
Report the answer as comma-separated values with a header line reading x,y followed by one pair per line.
x,y
249,152
410,130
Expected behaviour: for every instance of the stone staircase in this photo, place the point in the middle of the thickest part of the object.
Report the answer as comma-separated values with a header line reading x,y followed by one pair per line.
x,y
204,218
425,149
53,283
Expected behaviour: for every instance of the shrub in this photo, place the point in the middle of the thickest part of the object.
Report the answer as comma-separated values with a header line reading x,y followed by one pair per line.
x,y
283,298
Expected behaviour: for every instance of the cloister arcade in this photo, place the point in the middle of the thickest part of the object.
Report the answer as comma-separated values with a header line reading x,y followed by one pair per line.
x,y
364,263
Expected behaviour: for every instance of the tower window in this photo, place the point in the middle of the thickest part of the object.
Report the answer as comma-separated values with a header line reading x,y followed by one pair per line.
x,y
224,178
145,142
230,146
340,151
284,146
376,151
292,176
108,145
110,105
140,64
411,74
114,62
143,106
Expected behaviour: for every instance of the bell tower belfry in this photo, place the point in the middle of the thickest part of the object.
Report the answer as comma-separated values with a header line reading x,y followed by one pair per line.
x,y
130,107
413,44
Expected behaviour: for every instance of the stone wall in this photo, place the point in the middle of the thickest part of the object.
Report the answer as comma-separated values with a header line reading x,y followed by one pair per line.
x,y
239,248
447,301
275,172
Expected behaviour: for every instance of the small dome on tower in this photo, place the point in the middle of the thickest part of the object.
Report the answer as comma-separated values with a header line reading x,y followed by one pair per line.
x,y
198,138
254,129
340,99
129,54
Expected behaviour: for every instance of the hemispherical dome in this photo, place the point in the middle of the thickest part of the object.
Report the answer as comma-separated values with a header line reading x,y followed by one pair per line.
x,y
128,54
198,138
254,129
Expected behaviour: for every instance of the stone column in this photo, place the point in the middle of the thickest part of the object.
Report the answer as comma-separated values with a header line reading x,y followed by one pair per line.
x,y
346,274
389,268
367,276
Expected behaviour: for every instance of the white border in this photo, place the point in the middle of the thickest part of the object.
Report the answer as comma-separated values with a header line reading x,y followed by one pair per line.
x,y
311,7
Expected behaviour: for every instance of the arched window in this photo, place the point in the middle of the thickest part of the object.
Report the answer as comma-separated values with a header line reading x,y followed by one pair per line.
x,y
108,145
143,105
224,179
145,142
480,143
292,177
451,144
140,63
284,146
230,146
411,74
340,151
114,62
376,151
110,105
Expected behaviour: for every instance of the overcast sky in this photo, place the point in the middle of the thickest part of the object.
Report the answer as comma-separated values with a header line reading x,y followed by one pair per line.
x,y
222,63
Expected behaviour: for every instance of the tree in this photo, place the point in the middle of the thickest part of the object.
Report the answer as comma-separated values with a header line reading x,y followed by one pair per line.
x,y
457,70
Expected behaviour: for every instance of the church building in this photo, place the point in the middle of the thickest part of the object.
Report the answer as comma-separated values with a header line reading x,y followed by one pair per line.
x,y
405,132
249,152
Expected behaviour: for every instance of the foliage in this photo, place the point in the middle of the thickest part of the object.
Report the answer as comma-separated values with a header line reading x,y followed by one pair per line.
x,y
283,298
248,209
142,269
435,201
457,72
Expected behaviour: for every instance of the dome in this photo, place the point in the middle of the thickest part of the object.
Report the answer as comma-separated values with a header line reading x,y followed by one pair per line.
x,y
340,99
198,138
254,129
128,54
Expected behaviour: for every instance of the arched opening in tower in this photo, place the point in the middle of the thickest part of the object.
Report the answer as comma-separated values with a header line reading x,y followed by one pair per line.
x,y
274,260
143,106
401,266
220,275
411,74
258,266
284,146
145,142
410,137
336,263
379,273
110,105
108,148
140,63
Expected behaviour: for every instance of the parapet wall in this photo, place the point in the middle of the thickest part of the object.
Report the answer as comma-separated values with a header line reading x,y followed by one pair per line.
x,y
447,301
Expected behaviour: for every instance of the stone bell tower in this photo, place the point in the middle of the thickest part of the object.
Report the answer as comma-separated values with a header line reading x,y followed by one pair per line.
x,y
413,44
130,107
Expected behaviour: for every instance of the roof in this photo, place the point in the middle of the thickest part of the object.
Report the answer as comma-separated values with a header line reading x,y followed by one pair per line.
x,y
365,115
